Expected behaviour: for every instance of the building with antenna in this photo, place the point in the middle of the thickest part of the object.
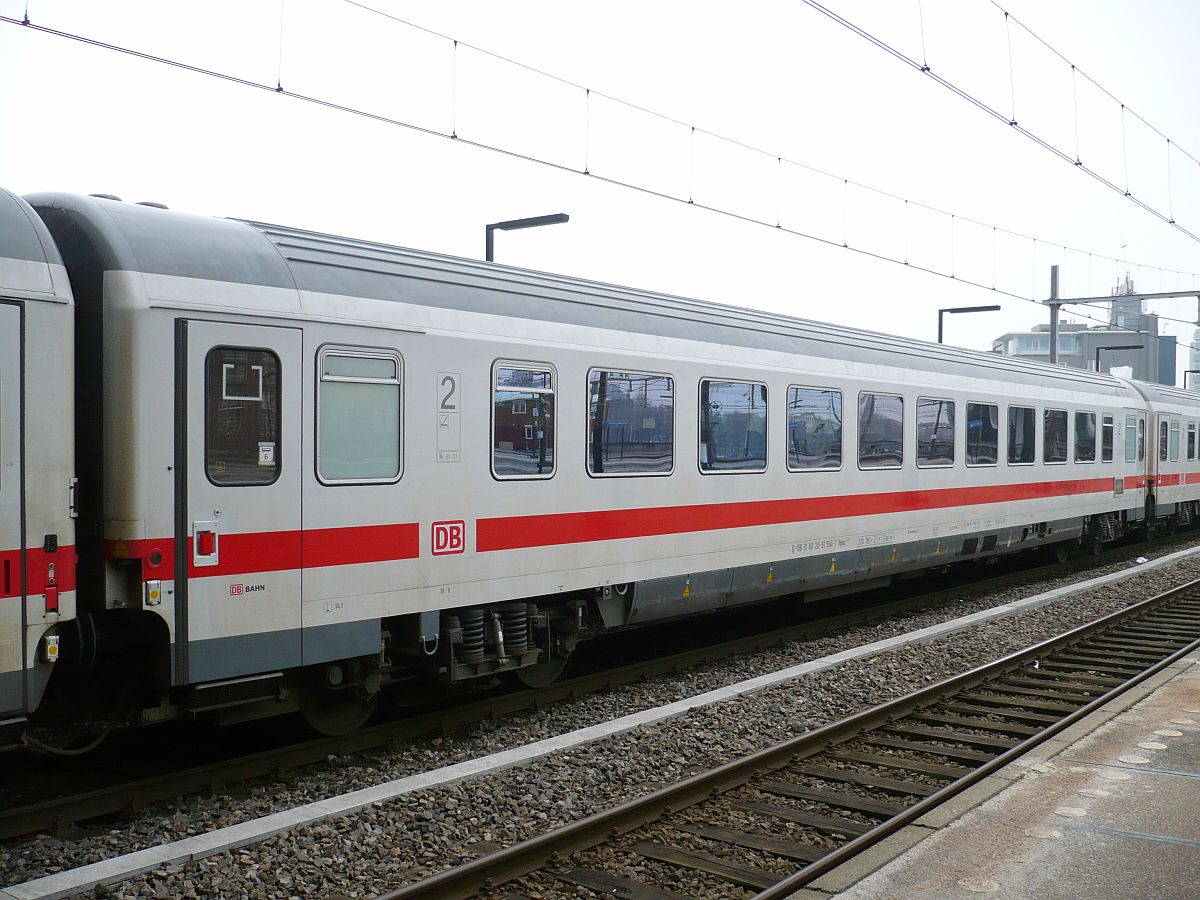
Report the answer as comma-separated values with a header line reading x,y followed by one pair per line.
x,y
1080,345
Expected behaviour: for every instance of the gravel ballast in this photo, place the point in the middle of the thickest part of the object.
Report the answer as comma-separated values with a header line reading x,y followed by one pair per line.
x,y
413,836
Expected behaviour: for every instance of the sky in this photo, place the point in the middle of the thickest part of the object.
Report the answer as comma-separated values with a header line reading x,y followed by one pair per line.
x,y
772,79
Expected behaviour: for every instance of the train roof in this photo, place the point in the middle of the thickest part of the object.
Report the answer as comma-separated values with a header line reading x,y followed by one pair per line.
x,y
26,251
128,236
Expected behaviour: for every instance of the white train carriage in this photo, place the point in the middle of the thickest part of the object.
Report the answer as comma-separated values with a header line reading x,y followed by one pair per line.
x,y
320,464
37,535
1173,470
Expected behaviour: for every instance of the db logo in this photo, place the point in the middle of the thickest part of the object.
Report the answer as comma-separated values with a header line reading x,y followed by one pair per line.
x,y
236,590
448,538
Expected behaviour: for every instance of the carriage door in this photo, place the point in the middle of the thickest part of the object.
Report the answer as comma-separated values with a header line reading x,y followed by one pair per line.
x,y
240,524
12,631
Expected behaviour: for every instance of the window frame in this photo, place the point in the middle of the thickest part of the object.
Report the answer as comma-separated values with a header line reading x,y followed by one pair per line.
x,y
531,365
787,456
1130,435
1109,421
1173,440
859,432
1008,445
953,431
352,352
967,439
587,422
1164,432
1066,426
700,425
1074,420
1191,441
278,467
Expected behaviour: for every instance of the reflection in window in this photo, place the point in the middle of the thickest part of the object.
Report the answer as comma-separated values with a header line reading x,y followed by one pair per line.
x,y
880,431
631,420
1085,437
1131,438
1141,442
733,426
983,434
523,423
1191,440
1162,440
814,428
358,417
1106,439
1174,440
241,416
935,432
1022,427
1054,436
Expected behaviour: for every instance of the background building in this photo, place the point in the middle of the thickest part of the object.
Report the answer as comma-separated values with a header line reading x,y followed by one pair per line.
x,y
1128,324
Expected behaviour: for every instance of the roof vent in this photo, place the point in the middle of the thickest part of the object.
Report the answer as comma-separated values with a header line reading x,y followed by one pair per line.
x,y
106,197
153,203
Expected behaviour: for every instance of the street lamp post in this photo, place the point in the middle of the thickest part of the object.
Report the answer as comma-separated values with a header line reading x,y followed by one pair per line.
x,y
517,224
1117,347
962,309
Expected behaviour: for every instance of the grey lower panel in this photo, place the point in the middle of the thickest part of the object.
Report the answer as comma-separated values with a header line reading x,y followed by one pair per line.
x,y
341,641
842,563
249,654
12,701
243,654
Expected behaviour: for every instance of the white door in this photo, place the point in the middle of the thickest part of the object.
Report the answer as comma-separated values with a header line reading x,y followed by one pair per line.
x,y
241,500
12,605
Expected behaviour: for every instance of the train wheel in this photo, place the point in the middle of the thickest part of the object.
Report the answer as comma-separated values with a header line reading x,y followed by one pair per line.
x,y
331,708
543,674
1062,552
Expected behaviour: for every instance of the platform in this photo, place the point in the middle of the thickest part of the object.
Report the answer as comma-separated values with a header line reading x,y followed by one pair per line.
x,y
1110,808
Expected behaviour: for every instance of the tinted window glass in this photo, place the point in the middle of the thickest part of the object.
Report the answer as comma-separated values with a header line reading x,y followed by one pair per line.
x,y
1021,434
1162,440
814,428
733,426
1054,436
1191,440
1106,440
241,415
1141,440
935,432
983,434
523,423
1174,445
631,422
1131,439
358,417
1085,437
880,431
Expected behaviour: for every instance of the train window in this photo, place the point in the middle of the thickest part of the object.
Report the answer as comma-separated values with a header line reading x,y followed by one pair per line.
x,y
814,429
1191,440
880,431
241,416
631,423
1022,433
1054,436
1106,439
935,432
523,421
1162,440
1141,440
733,426
1085,437
1174,443
983,434
358,416
1131,439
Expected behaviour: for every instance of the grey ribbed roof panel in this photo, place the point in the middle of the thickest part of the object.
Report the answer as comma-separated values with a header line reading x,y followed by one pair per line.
x,y
132,237
329,264
23,237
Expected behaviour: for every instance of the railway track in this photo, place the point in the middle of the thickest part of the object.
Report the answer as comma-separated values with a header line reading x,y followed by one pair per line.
x,y
59,813
772,822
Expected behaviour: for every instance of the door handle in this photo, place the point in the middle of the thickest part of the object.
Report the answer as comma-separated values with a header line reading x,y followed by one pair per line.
x,y
205,543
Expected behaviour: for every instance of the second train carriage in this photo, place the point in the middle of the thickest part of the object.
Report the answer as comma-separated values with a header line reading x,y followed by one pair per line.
x,y
312,465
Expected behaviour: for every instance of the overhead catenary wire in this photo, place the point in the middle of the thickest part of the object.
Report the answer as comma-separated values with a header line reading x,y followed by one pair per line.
x,y
642,189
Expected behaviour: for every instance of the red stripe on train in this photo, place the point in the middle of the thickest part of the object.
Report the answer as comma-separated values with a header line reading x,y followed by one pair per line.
x,y
38,561
518,532
274,551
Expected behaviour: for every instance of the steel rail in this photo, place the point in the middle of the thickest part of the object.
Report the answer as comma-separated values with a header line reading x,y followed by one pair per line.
x,y
486,872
